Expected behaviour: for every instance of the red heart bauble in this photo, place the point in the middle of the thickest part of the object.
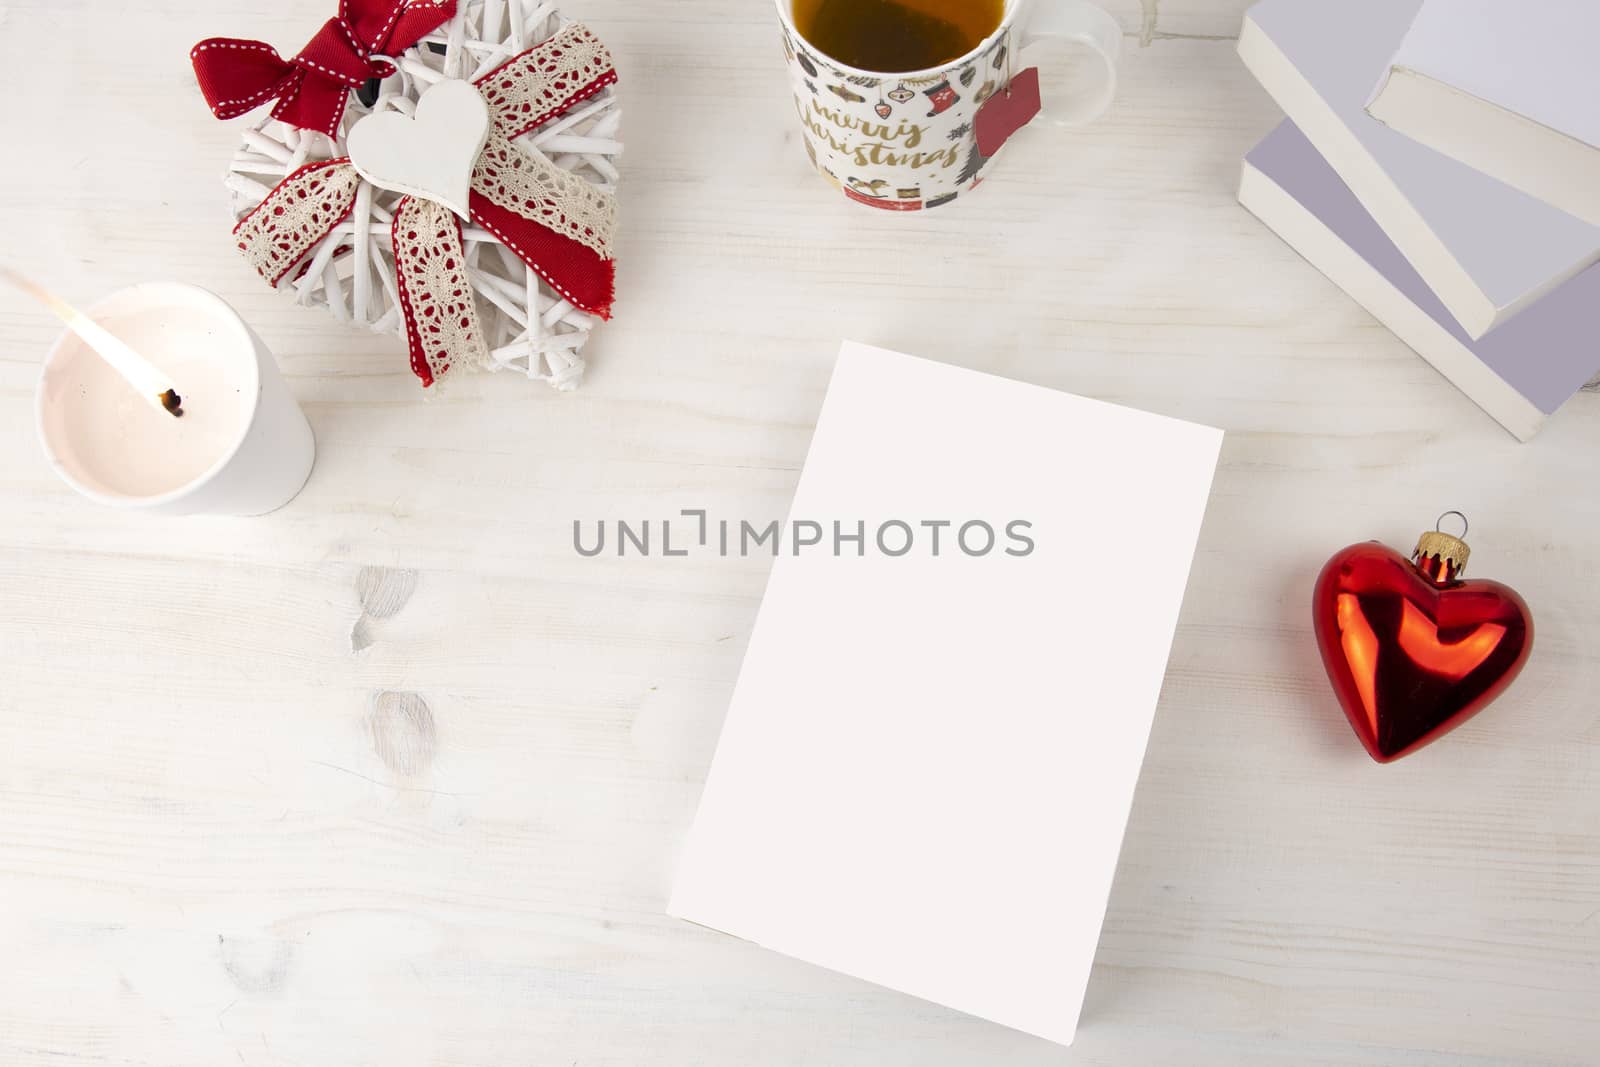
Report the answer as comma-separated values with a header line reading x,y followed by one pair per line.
x,y
1412,651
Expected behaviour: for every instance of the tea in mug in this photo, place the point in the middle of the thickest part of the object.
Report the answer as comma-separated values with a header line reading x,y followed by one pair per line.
x,y
896,36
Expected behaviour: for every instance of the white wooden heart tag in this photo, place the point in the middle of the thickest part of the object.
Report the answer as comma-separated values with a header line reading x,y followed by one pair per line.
x,y
430,155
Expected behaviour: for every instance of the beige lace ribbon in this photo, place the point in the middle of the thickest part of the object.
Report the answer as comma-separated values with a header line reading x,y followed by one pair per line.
x,y
546,80
523,180
296,216
525,93
431,269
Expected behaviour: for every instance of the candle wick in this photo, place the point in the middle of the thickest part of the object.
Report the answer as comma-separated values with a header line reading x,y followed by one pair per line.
x,y
173,403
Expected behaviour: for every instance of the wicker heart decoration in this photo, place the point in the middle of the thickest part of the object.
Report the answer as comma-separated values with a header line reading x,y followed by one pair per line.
x,y
430,155
521,285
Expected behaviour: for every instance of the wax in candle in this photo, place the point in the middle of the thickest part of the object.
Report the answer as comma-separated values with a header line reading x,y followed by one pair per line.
x,y
113,440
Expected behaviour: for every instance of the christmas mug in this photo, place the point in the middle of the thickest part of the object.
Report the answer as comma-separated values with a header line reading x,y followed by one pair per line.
x,y
905,141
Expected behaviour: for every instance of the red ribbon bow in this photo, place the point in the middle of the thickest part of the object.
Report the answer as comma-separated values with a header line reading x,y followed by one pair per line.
x,y
238,75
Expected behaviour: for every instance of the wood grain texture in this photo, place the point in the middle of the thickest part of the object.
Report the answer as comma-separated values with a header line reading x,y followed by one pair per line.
x,y
234,833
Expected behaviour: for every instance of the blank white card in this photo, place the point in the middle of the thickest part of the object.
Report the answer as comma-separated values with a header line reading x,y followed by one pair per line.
x,y
929,760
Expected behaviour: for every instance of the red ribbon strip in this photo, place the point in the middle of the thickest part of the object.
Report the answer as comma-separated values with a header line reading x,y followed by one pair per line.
x,y
238,75
579,273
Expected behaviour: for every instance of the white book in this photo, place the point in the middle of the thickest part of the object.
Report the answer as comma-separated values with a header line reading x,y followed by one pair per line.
x,y
1520,374
1486,249
930,755
1512,89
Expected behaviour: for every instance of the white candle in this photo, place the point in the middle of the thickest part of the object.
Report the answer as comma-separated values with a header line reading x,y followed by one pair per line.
x,y
242,447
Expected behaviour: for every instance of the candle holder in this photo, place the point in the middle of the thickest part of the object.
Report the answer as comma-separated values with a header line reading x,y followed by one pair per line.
x,y
242,447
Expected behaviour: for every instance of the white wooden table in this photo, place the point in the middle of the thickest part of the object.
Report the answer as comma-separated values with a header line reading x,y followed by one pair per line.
x,y
393,777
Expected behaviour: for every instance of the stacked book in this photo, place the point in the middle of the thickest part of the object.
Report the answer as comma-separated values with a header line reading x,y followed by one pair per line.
x,y
1440,162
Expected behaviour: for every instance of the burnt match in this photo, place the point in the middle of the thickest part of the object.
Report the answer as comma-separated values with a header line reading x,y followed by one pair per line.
x,y
140,373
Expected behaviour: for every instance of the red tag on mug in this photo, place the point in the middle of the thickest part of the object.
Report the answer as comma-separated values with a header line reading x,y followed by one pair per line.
x,y
1007,111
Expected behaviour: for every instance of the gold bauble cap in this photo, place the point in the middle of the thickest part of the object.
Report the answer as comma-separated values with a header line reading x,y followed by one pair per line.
x,y
1442,546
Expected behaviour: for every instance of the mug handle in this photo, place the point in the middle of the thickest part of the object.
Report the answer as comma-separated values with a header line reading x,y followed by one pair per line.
x,y
1074,22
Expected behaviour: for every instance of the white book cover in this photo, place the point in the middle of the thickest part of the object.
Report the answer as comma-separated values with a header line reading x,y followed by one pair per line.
x,y
930,755
1486,249
1520,373
1511,89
